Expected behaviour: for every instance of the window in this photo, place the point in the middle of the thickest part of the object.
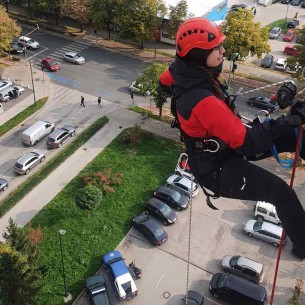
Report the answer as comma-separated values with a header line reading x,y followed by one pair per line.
x,y
250,272
262,210
272,215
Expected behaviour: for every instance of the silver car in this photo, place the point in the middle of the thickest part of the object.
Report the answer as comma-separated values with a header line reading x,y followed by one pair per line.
x,y
24,164
5,84
244,267
275,32
265,231
182,185
60,136
19,90
74,57
3,184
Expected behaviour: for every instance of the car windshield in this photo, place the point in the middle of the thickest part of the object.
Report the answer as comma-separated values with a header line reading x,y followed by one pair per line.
x,y
18,165
176,196
31,41
288,34
233,261
76,56
165,210
52,63
274,31
158,232
221,280
257,225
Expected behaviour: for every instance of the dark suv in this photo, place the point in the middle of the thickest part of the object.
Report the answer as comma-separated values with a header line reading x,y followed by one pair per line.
x,y
96,289
237,290
60,136
172,198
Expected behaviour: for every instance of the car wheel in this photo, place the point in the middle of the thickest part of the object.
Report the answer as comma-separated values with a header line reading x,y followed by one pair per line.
x,y
275,244
226,270
59,145
179,208
260,218
215,295
4,189
250,234
27,171
42,67
21,92
35,142
42,159
72,134
165,222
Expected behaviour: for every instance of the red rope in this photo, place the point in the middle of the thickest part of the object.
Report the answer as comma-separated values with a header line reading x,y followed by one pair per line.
x,y
300,131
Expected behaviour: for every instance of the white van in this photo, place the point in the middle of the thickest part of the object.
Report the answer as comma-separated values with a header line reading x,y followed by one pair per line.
x,y
36,132
265,211
281,64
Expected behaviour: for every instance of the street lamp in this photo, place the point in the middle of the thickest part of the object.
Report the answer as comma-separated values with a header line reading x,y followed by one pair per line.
x,y
33,84
24,47
286,12
62,233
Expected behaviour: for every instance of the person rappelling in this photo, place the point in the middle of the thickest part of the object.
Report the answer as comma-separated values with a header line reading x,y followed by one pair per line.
x,y
218,144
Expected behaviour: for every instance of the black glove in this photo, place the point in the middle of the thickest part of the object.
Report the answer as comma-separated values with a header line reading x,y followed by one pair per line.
x,y
296,114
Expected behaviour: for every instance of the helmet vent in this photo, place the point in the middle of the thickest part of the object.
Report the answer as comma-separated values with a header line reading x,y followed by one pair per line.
x,y
211,37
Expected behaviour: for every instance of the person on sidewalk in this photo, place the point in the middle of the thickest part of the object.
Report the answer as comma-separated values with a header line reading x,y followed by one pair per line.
x,y
82,101
219,146
99,100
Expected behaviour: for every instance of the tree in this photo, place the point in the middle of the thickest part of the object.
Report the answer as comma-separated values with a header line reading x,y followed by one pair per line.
x,y
77,10
177,15
244,36
103,14
140,19
150,82
89,197
8,30
18,280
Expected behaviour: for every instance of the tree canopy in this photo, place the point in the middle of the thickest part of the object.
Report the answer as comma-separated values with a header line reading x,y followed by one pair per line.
x,y
8,30
244,36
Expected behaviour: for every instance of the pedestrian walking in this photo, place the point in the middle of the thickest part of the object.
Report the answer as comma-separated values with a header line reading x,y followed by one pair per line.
x,y
296,15
131,95
219,146
99,100
82,101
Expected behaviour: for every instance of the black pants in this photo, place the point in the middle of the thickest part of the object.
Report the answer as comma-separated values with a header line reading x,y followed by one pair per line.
x,y
238,178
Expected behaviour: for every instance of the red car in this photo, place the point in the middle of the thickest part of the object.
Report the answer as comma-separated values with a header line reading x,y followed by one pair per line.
x,y
291,50
289,35
49,64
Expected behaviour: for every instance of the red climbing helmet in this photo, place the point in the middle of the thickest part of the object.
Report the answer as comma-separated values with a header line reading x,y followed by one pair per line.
x,y
198,33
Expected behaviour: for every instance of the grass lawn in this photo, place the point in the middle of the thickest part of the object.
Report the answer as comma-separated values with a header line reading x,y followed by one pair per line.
x,y
89,235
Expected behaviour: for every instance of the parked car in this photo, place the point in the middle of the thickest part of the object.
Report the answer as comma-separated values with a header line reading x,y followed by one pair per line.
x,y
289,35
183,185
150,229
3,184
172,198
49,64
74,57
280,64
24,164
291,50
15,48
275,32
295,2
298,38
192,298
120,276
264,231
267,61
11,93
237,290
293,68
19,90
96,290
135,87
244,267
5,84
265,211
292,23
28,42
262,103
286,1
161,210
303,4
59,136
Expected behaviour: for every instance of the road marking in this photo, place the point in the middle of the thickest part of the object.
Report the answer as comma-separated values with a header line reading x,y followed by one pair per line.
x,y
160,280
41,51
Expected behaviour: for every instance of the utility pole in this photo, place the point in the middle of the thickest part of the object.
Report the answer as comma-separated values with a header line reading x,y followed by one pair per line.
x,y
32,81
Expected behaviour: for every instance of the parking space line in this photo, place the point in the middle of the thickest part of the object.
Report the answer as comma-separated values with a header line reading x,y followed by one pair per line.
x,y
160,280
41,51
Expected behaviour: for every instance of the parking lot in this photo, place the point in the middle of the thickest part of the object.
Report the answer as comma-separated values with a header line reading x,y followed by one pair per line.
x,y
214,234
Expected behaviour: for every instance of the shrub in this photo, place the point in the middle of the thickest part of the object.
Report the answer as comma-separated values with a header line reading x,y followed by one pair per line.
x,y
89,197
135,136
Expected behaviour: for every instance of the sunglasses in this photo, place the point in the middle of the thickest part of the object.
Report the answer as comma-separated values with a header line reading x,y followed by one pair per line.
x,y
217,48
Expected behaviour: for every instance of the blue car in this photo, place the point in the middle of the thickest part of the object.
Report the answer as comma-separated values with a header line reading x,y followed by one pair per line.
x,y
120,276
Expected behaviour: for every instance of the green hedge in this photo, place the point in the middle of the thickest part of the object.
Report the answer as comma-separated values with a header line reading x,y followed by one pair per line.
x,y
21,116
89,235
24,188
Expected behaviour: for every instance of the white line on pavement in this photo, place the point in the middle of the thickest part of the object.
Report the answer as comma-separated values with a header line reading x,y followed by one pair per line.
x,y
41,51
160,280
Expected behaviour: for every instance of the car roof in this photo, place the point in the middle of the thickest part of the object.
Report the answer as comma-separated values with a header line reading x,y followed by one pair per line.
x,y
239,284
281,61
71,53
276,28
272,228
95,279
266,205
244,261
165,190
26,157
156,203
47,59
56,133
141,218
